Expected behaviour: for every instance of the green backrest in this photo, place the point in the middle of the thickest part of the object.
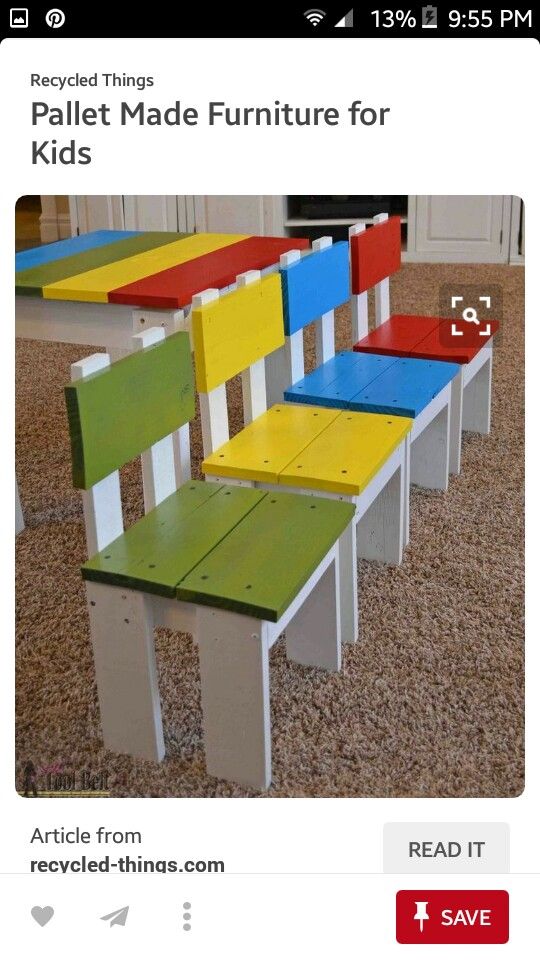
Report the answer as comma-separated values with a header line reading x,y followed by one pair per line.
x,y
119,412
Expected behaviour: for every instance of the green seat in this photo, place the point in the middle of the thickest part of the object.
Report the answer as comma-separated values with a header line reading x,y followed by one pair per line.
x,y
236,548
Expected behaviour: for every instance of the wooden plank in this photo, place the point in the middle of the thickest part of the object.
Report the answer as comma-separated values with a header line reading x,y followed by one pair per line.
x,y
405,388
176,287
398,335
264,448
233,331
438,344
314,285
95,285
162,548
375,254
260,567
347,454
49,252
117,413
31,282
339,379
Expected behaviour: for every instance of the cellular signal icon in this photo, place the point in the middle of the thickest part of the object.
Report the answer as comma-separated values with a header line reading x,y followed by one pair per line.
x,y
347,20
314,16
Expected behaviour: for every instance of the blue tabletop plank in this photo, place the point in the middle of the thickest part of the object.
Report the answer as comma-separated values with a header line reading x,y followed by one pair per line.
x,y
339,379
50,252
315,284
405,388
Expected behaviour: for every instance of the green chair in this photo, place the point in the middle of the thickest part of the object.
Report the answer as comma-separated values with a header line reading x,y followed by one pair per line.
x,y
234,566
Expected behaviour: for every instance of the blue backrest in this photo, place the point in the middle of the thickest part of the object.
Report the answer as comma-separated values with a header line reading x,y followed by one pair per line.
x,y
315,284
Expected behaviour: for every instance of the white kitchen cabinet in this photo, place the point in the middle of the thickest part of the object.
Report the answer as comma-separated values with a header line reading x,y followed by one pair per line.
x,y
96,213
459,229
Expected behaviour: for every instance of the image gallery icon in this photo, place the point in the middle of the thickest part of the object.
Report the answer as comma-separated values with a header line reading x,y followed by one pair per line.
x,y
18,18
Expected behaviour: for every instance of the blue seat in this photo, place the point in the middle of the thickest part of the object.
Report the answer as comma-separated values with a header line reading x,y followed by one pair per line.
x,y
378,384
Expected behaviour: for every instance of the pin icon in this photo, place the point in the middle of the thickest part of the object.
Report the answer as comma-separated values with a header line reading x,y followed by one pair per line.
x,y
42,915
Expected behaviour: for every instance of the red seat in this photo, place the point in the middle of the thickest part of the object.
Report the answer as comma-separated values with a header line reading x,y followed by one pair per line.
x,y
425,338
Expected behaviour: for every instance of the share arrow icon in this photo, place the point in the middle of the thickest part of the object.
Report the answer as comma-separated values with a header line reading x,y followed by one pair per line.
x,y
117,917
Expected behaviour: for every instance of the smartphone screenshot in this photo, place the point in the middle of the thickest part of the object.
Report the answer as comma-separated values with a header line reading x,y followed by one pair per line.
x,y
268,685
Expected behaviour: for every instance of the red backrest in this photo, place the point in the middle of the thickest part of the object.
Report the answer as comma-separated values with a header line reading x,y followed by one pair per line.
x,y
375,254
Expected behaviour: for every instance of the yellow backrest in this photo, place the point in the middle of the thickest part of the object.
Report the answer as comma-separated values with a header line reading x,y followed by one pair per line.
x,y
236,330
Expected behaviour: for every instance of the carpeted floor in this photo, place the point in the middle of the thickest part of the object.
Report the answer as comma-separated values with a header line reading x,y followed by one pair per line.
x,y
430,704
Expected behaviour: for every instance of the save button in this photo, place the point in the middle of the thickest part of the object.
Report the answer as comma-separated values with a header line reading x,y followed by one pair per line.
x,y
452,916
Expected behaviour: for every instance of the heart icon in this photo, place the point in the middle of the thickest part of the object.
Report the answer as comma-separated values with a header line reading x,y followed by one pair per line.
x,y
42,915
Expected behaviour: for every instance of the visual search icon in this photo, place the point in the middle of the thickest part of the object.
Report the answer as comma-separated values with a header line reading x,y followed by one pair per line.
x,y
314,16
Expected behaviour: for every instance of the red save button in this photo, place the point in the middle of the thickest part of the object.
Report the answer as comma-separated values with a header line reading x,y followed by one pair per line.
x,y
452,916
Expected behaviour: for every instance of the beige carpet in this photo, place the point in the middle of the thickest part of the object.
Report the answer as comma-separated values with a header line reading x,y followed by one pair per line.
x,y
430,704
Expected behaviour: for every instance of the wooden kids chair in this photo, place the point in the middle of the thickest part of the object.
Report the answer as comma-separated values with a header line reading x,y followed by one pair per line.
x,y
417,389
359,458
314,303
375,256
235,567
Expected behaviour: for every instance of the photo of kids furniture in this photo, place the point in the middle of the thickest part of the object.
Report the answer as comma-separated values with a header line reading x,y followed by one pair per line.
x,y
358,458
236,567
259,519
375,256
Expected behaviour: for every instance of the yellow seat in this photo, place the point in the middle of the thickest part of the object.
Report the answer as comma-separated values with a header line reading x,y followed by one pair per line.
x,y
311,447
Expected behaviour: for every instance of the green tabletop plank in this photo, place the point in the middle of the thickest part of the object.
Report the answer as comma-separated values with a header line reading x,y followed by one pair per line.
x,y
31,282
261,566
157,552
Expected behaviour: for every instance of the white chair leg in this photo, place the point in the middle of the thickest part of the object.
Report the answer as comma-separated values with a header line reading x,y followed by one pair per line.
x,y
477,400
456,410
430,453
407,491
122,630
380,531
313,636
348,578
235,694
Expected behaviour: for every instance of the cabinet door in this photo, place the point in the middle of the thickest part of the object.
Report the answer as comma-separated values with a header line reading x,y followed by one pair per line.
x,y
96,213
150,213
460,229
230,214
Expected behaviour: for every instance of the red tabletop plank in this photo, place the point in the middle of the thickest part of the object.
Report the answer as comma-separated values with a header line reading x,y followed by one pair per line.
x,y
175,287
398,335
425,338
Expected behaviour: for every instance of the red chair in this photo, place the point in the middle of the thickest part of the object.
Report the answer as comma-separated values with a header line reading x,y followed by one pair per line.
x,y
375,256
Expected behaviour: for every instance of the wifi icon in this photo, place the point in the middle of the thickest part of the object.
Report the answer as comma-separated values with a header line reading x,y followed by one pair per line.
x,y
314,16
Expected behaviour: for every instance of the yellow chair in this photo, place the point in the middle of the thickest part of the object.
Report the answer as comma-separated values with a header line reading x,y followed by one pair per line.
x,y
360,458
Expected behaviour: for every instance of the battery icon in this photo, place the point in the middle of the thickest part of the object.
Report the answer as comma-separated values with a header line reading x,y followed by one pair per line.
x,y
429,18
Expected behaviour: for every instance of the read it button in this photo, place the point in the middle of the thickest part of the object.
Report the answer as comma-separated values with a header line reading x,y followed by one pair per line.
x,y
452,916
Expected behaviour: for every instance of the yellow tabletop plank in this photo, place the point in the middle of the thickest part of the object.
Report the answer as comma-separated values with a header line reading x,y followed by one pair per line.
x,y
95,285
265,447
348,454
